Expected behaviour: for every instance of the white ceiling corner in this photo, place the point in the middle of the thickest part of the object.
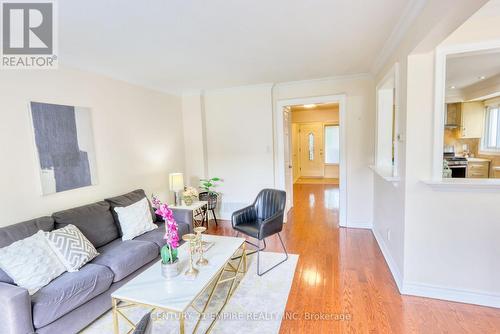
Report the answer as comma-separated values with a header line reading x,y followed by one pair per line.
x,y
412,10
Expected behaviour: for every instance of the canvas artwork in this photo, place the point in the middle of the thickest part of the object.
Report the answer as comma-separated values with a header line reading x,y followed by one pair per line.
x,y
65,146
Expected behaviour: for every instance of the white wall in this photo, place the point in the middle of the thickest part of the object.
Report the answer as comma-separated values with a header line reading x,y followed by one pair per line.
x,y
195,143
239,132
448,242
360,111
452,238
138,139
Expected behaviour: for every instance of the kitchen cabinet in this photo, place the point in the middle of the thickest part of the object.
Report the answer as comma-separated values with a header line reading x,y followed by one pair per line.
x,y
472,120
453,115
478,169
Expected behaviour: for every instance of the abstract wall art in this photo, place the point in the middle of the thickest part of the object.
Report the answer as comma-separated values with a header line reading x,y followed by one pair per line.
x,y
65,145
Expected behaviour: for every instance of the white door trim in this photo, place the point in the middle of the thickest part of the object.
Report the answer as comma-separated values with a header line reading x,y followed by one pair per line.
x,y
279,154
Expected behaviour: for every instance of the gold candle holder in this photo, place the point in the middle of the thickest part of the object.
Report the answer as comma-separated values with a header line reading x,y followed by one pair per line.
x,y
191,239
199,230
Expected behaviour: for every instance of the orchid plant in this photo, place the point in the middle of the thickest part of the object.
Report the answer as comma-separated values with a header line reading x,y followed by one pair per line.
x,y
169,251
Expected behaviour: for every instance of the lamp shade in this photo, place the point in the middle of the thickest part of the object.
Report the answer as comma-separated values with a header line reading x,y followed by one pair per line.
x,y
176,181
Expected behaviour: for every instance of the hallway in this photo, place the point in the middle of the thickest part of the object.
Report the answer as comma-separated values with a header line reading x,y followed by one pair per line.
x,y
342,275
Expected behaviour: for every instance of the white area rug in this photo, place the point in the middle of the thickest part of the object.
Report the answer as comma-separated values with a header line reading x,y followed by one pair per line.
x,y
257,305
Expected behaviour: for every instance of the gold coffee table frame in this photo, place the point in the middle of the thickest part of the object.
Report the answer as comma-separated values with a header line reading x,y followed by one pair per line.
x,y
228,267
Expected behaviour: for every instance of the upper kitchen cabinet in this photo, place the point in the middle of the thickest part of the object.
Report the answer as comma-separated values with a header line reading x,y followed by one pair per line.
x,y
453,115
468,117
472,119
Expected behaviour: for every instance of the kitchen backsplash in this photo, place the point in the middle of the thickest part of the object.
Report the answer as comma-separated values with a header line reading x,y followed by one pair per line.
x,y
452,137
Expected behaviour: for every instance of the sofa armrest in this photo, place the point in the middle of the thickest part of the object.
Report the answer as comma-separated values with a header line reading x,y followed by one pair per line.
x,y
184,216
15,303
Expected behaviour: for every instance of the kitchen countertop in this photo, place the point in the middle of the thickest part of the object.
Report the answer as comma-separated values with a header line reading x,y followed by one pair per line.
x,y
478,160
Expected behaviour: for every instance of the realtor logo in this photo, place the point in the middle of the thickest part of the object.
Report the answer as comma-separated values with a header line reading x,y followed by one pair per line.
x,y
28,35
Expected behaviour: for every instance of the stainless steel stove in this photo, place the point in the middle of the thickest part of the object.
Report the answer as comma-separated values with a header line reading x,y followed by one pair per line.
x,y
458,165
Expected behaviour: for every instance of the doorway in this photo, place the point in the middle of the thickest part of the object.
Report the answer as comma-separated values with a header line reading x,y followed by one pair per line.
x,y
310,147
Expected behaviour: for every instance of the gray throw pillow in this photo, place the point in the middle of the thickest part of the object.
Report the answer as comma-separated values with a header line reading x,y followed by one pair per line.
x,y
71,247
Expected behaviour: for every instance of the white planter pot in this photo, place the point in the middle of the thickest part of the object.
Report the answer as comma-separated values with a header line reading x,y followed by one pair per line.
x,y
170,270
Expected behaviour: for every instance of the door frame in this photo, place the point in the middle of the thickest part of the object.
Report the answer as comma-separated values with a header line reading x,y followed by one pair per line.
x,y
279,149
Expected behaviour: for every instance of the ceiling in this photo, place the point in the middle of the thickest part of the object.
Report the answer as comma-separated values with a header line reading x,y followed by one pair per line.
x,y
178,45
464,70
323,106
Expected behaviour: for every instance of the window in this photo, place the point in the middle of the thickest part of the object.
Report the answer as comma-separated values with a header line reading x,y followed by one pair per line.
x,y
491,137
332,144
311,146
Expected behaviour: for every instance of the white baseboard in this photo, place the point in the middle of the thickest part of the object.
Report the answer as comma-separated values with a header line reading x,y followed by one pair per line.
x,y
393,268
225,209
359,224
433,291
450,294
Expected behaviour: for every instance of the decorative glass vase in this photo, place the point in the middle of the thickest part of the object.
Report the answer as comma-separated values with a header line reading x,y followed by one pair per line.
x,y
188,200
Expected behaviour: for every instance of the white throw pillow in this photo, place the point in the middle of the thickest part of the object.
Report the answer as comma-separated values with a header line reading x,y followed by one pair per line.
x,y
71,246
31,263
135,219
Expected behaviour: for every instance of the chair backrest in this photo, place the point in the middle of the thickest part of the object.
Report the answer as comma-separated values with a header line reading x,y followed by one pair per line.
x,y
145,325
269,202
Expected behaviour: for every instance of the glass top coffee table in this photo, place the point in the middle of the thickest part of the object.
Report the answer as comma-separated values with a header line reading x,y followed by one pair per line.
x,y
180,293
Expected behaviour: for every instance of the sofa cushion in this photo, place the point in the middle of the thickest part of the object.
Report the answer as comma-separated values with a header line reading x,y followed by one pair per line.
x,y
69,291
157,235
94,220
126,200
12,233
125,257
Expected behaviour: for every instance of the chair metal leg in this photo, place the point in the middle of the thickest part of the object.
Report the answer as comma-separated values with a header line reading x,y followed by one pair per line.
x,y
252,252
215,217
258,258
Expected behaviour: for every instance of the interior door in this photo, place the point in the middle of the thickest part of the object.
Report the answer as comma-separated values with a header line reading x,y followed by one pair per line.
x,y
311,150
288,161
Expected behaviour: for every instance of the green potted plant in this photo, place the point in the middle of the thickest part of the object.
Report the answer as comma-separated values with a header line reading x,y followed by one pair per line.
x,y
209,194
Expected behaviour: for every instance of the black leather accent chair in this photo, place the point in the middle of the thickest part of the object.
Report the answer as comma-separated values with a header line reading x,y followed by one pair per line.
x,y
145,325
262,219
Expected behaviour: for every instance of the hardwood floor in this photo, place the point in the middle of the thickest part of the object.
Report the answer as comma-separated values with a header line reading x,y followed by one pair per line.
x,y
342,273
317,180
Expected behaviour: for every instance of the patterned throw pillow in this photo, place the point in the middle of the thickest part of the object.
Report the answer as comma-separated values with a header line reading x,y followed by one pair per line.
x,y
135,219
31,262
71,246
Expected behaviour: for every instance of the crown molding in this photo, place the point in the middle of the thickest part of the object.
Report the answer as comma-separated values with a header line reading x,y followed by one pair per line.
x,y
412,10
331,78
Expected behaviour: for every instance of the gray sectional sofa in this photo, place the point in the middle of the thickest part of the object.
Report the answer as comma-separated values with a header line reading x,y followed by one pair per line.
x,y
73,300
